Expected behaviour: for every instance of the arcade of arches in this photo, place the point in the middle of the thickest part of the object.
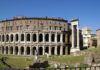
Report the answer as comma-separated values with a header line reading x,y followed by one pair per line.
x,y
51,43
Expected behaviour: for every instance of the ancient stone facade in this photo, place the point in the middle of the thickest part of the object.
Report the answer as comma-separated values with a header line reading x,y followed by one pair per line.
x,y
31,36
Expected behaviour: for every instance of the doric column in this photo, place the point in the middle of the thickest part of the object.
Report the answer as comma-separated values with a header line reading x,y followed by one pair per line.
x,y
72,36
25,37
43,49
30,50
56,37
19,51
31,37
50,37
43,37
56,50
77,36
49,50
61,49
24,50
37,35
13,50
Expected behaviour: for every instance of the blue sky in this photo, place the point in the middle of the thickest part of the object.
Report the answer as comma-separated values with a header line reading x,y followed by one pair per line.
x,y
88,11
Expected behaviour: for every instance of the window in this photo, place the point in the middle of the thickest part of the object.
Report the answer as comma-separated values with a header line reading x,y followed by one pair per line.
x,y
17,27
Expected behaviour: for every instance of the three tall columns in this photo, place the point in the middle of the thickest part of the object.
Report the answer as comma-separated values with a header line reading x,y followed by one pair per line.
x,y
75,35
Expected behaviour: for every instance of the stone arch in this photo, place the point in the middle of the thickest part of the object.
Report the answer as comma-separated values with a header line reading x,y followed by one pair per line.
x,y
22,50
47,37
3,38
16,37
40,50
53,50
28,37
7,38
11,50
28,50
40,37
58,50
11,38
22,37
58,37
34,37
2,49
53,37
34,51
6,49
16,50
47,49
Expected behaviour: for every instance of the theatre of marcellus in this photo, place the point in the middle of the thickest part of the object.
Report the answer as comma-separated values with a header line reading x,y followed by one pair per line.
x,y
39,35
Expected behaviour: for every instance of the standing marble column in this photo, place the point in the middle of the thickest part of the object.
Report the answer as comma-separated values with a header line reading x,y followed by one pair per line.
x,y
73,37
13,50
19,50
24,50
31,38
37,35
77,36
50,37
43,49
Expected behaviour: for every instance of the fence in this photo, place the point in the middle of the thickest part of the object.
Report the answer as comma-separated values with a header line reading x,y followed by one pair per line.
x,y
66,68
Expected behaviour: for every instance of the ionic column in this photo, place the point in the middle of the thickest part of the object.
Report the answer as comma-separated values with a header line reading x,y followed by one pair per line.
x,y
72,37
61,49
56,37
77,36
61,37
56,50
49,50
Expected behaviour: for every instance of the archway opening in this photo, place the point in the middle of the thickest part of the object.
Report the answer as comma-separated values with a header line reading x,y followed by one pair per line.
x,y
11,50
40,51
40,37
2,38
16,50
11,37
52,37
58,38
22,50
22,37
64,50
58,50
34,51
16,37
47,49
52,50
63,37
28,37
2,49
7,38
47,37
34,37
6,49
28,50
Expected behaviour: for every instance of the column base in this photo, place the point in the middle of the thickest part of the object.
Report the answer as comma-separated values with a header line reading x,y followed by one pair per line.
x,y
74,50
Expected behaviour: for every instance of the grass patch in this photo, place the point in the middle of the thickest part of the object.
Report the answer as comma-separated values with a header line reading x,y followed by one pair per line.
x,y
94,50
